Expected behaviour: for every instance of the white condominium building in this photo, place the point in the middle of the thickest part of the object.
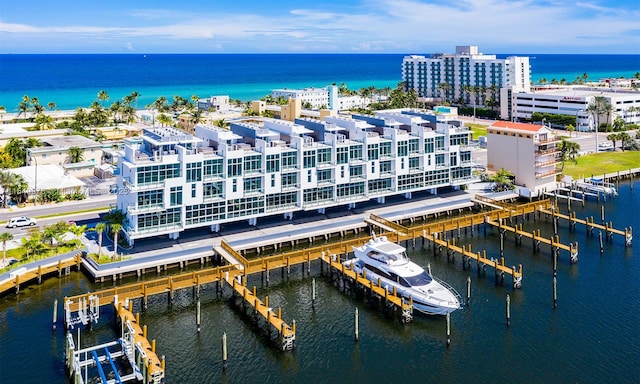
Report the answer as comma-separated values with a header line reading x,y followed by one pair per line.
x,y
317,97
261,167
491,77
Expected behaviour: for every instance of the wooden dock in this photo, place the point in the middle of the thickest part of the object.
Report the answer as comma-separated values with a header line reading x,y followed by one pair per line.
x,y
553,242
627,233
24,275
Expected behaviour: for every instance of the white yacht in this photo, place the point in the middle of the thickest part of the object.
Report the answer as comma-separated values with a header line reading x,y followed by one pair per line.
x,y
389,262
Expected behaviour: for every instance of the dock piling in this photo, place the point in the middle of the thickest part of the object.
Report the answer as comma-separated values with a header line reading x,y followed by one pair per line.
x,y
224,351
468,289
555,292
601,245
356,325
508,310
198,316
55,313
313,293
448,329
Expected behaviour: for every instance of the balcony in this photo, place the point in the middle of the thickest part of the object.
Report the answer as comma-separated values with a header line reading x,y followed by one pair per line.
x,y
149,208
142,187
542,175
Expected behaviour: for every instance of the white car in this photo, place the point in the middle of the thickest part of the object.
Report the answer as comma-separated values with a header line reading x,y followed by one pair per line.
x,y
605,146
21,221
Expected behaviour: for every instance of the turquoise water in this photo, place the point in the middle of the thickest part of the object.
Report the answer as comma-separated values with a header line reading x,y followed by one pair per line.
x,y
73,81
592,337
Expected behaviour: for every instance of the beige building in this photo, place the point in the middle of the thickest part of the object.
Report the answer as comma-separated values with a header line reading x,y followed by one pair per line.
x,y
529,151
56,152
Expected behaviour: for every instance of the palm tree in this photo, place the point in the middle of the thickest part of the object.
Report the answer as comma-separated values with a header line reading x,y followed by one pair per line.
x,y
444,88
75,155
103,96
160,104
613,137
4,237
570,128
100,227
51,105
77,230
165,119
624,138
597,107
503,179
115,229
568,151
44,122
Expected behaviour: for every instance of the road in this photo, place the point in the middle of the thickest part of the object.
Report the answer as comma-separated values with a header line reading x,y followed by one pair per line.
x,y
63,211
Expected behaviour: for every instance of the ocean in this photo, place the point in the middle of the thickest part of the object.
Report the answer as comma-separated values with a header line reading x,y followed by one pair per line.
x,y
593,336
74,80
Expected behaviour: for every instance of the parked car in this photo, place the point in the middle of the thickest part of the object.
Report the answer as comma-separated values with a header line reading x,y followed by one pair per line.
x,y
21,221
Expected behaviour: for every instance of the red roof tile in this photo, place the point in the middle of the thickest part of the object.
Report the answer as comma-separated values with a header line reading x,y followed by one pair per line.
x,y
517,126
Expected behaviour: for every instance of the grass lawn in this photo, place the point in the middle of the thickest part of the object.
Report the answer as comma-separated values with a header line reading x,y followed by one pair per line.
x,y
597,164
477,130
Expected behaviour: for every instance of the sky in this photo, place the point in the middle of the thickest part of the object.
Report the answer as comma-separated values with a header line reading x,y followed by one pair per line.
x,y
320,26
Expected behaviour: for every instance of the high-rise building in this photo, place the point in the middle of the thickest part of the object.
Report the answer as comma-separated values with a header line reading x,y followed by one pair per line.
x,y
466,77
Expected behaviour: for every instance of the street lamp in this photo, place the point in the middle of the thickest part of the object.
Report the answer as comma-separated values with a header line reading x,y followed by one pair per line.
x,y
35,184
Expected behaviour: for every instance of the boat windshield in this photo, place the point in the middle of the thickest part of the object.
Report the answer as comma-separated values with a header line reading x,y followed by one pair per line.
x,y
417,280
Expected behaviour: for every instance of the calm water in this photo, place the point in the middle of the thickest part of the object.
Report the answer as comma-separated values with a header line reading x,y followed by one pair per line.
x,y
73,81
592,337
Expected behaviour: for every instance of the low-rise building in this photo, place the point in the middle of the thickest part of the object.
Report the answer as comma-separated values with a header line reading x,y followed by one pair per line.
x,y
529,151
316,97
574,101
261,167
55,151
214,104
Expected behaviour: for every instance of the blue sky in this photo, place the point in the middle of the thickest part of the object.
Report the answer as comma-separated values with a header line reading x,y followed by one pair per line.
x,y
327,26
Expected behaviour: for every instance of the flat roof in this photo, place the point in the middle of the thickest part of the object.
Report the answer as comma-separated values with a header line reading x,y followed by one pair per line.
x,y
509,125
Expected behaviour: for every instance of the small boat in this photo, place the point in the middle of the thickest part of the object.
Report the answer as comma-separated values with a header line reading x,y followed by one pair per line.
x,y
387,261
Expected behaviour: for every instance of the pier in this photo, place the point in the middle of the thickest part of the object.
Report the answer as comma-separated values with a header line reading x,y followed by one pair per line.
x,y
132,358
23,275
589,223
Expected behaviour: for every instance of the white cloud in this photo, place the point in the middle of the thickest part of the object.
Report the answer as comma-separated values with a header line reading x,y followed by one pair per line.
x,y
376,26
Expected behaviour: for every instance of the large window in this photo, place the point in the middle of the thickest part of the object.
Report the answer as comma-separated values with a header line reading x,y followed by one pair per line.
x,y
414,146
324,156
379,185
150,198
429,146
273,163
355,171
213,190
282,200
403,148
350,190
252,164
289,180
309,159
212,168
234,167
157,173
253,185
324,175
194,172
157,221
385,149
373,152
439,143
318,195
414,163
247,206
175,196
342,155
205,213
355,152
289,160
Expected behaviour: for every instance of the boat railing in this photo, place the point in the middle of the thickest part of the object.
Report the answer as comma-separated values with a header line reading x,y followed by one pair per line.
x,y
450,288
